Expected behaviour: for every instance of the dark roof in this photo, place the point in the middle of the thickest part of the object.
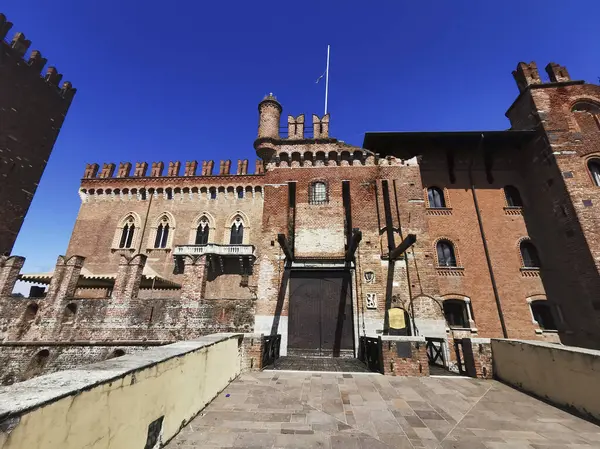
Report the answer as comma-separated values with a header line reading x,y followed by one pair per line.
x,y
399,143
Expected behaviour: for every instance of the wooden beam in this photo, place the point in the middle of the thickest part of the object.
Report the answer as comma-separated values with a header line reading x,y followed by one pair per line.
x,y
406,243
353,245
289,255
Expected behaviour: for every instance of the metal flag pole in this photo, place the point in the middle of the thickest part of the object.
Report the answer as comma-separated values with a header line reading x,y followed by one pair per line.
x,y
327,80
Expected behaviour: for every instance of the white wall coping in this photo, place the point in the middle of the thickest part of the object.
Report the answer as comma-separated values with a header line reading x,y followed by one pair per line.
x,y
555,346
402,338
480,340
24,396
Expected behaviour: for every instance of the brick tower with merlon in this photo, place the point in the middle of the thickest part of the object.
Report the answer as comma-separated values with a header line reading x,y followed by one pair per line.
x,y
562,168
33,107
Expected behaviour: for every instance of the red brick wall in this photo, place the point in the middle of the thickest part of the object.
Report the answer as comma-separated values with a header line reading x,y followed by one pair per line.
x,y
32,113
415,366
563,215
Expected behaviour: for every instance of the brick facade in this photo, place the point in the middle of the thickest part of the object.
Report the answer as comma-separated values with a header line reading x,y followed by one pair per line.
x,y
176,255
33,108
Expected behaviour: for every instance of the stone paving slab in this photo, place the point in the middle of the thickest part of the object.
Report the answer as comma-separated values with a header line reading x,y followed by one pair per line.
x,y
278,409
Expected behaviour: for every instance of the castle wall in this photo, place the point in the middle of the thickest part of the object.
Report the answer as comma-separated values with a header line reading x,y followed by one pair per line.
x,y
32,111
563,213
107,201
503,228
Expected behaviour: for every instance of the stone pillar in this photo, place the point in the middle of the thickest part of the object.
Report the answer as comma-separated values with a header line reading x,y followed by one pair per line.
x,y
10,267
129,277
65,278
194,278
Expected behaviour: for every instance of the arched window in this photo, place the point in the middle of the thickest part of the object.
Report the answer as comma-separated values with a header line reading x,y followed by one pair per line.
x,y
161,238
127,233
237,232
445,253
69,313
513,197
202,232
435,195
542,313
594,168
529,255
213,193
456,313
318,193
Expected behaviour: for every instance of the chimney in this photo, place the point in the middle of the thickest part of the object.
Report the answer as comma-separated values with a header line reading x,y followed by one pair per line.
x,y
224,168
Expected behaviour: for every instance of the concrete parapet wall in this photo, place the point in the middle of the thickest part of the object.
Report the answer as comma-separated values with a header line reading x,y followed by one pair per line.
x,y
117,403
564,375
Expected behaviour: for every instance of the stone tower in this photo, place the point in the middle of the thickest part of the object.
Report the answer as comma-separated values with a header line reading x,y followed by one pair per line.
x,y
32,111
269,113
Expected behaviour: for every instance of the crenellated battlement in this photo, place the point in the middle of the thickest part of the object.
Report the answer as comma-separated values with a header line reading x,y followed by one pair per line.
x,y
17,48
108,170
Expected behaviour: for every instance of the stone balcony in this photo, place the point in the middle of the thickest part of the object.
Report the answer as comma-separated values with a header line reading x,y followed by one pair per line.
x,y
219,257
215,249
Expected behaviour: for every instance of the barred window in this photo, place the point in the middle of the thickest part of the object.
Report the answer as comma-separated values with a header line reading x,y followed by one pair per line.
x,y
318,193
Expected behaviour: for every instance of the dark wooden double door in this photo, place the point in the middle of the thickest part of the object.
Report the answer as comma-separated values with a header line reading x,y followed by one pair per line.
x,y
320,313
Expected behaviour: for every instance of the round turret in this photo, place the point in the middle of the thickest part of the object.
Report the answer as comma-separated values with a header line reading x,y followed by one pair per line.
x,y
269,111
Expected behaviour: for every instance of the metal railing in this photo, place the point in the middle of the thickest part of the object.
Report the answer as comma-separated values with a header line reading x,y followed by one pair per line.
x,y
272,344
214,248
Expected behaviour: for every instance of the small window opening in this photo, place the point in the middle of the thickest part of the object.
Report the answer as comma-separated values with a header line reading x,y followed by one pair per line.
x,y
513,197
445,253
455,312
542,313
435,195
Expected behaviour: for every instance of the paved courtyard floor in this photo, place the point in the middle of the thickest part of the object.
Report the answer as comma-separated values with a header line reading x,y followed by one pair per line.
x,y
282,409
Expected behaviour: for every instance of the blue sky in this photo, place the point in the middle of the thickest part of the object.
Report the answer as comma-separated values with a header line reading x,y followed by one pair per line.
x,y
181,80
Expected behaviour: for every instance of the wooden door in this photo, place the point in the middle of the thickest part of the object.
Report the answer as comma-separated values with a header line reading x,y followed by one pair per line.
x,y
320,313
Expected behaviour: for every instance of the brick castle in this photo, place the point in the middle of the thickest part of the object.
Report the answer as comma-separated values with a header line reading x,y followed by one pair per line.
x,y
318,244
32,111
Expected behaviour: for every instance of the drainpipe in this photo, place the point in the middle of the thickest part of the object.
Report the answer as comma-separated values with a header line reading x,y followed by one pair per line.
x,y
145,221
483,239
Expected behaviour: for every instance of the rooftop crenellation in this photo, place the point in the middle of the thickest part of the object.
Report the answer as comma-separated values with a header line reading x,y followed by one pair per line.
x,y
18,47
140,169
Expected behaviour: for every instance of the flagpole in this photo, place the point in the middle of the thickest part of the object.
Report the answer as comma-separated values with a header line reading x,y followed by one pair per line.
x,y
327,80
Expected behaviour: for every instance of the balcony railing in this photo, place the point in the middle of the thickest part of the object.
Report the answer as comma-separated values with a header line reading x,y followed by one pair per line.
x,y
213,248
